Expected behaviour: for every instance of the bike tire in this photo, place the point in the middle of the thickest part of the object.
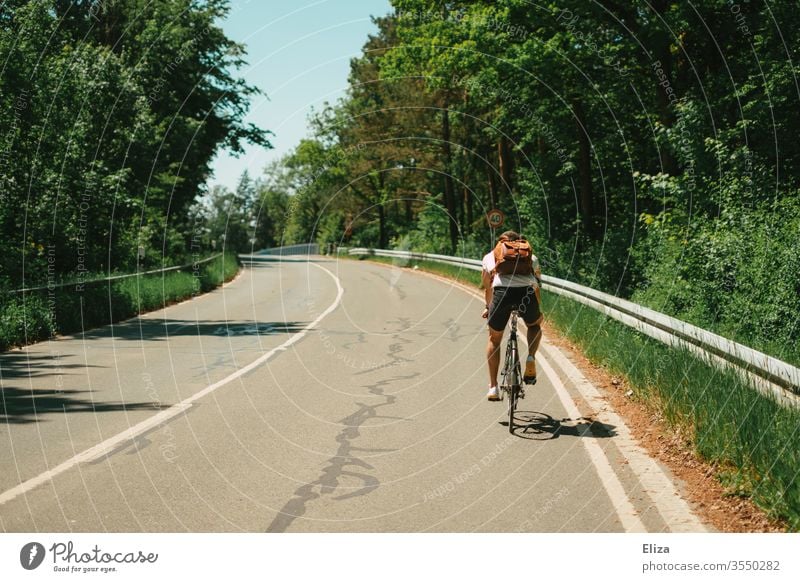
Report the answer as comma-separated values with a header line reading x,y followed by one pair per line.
x,y
506,374
512,407
513,392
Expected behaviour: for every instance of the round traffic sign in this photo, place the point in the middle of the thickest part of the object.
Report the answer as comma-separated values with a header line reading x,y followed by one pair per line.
x,y
496,218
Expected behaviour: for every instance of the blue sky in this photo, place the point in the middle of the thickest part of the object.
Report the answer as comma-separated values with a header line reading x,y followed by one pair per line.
x,y
299,55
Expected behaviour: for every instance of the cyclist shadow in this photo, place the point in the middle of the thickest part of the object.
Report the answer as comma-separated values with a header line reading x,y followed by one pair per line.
x,y
533,425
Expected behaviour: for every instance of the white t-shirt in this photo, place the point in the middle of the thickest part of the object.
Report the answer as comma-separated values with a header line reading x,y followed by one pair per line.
x,y
510,280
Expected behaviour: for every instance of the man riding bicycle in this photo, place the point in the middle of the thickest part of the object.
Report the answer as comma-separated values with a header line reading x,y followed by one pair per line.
x,y
511,278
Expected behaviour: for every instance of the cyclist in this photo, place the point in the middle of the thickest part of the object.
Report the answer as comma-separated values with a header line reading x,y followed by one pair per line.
x,y
511,277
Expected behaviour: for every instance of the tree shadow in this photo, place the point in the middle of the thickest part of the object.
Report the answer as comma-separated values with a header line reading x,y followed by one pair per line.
x,y
21,364
534,425
21,405
27,406
163,329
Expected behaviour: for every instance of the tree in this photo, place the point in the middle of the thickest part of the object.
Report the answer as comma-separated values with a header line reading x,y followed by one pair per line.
x,y
111,114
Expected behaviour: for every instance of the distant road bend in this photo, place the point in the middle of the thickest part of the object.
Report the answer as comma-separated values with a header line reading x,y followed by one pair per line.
x,y
312,394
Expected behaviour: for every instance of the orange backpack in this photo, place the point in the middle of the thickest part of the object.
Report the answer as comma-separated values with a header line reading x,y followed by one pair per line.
x,y
513,257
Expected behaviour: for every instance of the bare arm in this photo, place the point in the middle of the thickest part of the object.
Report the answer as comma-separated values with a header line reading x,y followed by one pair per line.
x,y
486,282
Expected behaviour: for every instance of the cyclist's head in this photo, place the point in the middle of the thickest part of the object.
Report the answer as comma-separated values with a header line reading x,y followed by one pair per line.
x,y
509,235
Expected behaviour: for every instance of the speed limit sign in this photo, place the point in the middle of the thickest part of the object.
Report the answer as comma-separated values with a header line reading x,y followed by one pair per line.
x,y
496,218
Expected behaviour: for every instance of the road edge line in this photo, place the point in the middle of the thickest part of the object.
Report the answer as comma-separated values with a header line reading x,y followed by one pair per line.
x,y
626,512
673,509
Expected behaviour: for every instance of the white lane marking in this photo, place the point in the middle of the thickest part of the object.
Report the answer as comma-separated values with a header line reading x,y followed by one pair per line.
x,y
608,477
674,510
109,444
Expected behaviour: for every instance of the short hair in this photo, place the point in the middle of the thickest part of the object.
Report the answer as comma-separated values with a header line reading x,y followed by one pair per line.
x,y
509,235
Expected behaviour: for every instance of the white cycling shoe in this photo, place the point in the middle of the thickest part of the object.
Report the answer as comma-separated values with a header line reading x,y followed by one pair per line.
x,y
493,394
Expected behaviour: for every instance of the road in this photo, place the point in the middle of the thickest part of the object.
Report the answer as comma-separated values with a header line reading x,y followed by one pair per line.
x,y
317,395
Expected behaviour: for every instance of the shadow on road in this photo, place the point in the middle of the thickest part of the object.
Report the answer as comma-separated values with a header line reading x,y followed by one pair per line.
x,y
533,425
25,405
19,406
163,329
22,405
27,365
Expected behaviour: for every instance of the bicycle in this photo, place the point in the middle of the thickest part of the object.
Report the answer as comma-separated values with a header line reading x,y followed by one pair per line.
x,y
512,373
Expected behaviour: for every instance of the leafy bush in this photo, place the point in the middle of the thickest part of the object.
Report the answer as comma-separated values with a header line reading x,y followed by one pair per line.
x,y
738,275
23,320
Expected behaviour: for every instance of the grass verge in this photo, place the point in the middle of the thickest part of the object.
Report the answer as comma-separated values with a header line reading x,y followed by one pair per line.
x,y
43,314
753,441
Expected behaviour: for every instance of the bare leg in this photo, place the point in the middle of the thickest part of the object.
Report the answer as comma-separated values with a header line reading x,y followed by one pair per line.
x,y
493,354
534,336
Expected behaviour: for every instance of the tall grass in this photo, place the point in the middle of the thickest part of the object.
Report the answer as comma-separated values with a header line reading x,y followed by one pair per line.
x,y
42,314
753,441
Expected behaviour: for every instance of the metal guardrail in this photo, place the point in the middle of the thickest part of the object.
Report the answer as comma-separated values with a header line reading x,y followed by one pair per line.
x,y
772,375
301,249
115,277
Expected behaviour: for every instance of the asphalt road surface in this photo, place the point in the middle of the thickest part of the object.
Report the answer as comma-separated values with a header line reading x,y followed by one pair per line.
x,y
317,395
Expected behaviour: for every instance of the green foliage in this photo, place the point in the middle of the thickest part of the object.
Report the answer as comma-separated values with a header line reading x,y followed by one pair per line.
x,y
638,146
23,321
272,206
227,216
737,275
110,115
41,314
429,233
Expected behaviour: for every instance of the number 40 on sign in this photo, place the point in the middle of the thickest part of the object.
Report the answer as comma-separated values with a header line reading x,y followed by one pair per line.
x,y
496,218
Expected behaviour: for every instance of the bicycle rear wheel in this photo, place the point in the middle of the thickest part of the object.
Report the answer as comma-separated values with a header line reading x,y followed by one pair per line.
x,y
513,386
507,372
512,406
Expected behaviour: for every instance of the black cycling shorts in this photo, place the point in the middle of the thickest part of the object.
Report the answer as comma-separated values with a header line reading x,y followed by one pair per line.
x,y
507,299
